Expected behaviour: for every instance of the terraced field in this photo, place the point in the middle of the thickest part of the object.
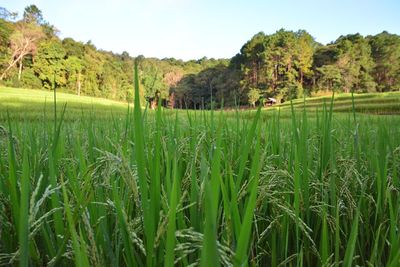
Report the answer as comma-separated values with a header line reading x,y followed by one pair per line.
x,y
373,103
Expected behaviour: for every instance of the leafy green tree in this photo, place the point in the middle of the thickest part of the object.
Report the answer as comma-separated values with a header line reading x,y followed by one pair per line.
x,y
6,28
289,87
74,67
330,77
32,14
304,55
345,64
355,62
253,96
325,55
385,48
152,81
278,64
182,91
49,64
73,48
227,85
112,80
93,70
30,80
252,54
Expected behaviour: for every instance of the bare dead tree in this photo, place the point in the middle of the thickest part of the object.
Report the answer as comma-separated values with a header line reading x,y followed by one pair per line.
x,y
172,78
23,42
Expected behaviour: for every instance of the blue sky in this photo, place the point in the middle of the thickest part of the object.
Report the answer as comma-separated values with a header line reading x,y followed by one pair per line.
x,y
190,29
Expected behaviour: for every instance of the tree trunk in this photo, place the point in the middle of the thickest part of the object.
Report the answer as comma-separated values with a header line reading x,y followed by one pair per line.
x,y
172,101
20,70
78,83
10,66
301,78
153,103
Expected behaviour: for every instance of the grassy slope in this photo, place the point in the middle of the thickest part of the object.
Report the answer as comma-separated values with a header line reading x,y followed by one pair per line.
x,y
374,103
39,96
28,103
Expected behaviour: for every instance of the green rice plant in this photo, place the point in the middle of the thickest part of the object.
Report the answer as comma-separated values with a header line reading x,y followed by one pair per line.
x,y
111,185
24,212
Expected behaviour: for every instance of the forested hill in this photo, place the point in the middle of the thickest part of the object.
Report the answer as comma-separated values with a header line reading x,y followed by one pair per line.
x,y
283,65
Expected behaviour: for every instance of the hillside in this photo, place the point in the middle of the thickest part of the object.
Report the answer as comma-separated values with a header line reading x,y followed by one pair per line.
x,y
29,103
372,103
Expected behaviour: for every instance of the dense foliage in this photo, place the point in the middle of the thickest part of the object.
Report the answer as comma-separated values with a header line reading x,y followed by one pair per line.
x,y
283,65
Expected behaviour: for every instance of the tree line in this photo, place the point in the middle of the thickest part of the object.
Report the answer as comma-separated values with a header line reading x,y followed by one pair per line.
x,y
283,65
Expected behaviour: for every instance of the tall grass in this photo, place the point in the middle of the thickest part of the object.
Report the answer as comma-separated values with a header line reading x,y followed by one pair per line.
x,y
174,188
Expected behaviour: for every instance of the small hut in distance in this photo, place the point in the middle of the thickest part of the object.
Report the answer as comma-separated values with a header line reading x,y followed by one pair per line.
x,y
270,101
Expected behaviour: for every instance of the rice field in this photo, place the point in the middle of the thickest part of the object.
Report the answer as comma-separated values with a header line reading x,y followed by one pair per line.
x,y
123,186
